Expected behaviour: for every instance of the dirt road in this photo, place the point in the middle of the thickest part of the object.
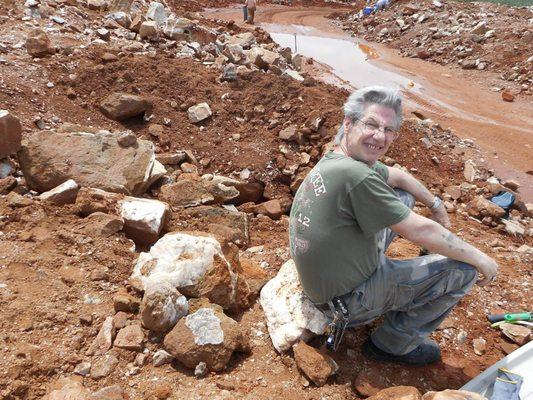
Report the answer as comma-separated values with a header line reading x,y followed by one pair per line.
x,y
452,97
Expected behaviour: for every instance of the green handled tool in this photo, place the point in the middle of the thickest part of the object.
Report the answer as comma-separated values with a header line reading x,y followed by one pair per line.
x,y
524,316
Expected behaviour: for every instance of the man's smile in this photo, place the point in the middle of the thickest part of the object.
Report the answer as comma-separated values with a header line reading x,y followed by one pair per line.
x,y
373,146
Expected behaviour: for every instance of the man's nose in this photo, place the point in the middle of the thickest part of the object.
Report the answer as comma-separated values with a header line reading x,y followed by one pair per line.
x,y
379,133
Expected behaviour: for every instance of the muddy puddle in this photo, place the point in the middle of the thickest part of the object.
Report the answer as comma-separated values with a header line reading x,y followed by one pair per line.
x,y
504,131
346,59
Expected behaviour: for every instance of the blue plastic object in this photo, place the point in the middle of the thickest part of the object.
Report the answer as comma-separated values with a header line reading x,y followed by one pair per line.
x,y
505,200
368,10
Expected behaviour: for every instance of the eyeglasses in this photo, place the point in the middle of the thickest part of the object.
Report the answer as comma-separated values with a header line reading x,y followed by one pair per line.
x,y
373,127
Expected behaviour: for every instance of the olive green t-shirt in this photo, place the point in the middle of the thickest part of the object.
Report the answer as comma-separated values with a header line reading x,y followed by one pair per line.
x,y
336,215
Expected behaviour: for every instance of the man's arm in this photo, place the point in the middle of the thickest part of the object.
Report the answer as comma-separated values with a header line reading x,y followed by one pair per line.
x,y
437,239
402,180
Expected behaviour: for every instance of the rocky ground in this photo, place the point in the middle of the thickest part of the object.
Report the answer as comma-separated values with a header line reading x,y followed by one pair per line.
x,y
148,163
471,36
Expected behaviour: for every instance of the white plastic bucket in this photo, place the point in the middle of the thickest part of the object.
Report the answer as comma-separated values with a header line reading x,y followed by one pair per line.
x,y
519,361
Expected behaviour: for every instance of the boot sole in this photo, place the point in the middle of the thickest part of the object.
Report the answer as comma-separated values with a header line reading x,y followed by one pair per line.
x,y
368,353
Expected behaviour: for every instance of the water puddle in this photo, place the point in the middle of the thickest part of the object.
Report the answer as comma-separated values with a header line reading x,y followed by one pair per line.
x,y
346,59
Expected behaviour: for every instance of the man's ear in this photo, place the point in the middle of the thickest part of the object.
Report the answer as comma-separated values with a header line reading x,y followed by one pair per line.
x,y
347,124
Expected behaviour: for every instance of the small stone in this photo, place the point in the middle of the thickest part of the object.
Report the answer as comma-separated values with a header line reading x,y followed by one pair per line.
x,y
369,382
156,130
127,139
469,171
454,191
271,209
63,194
199,112
317,366
10,134
83,368
103,340
289,134
397,393
15,200
461,337
38,44
126,302
103,33
161,357
130,337
109,57
200,370
508,348
512,184
104,366
426,142
148,30
480,346
507,96
517,333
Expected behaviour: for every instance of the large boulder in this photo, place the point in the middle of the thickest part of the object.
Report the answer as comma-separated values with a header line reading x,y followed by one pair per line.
x,y
38,43
121,106
92,159
290,315
10,134
208,336
195,265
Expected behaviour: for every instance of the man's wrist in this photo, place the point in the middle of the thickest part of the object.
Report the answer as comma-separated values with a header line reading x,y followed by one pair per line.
x,y
437,202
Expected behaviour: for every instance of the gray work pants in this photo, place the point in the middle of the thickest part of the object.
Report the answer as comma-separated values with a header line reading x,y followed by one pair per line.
x,y
414,295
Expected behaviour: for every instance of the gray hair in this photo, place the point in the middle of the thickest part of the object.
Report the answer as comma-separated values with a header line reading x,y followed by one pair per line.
x,y
355,106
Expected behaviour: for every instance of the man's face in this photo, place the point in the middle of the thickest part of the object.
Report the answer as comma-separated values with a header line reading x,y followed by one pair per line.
x,y
370,137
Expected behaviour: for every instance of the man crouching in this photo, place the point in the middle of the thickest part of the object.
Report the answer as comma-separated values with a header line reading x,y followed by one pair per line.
x,y
345,215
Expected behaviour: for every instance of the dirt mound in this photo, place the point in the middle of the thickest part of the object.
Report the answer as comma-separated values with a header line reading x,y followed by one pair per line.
x,y
478,36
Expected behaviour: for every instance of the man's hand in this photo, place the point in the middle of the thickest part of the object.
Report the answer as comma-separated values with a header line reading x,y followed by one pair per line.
x,y
440,215
489,268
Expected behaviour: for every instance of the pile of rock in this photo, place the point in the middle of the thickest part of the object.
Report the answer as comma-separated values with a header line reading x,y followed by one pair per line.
x,y
187,281
466,34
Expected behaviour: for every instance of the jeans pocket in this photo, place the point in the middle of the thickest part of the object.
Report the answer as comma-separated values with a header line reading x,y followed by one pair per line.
x,y
413,295
404,296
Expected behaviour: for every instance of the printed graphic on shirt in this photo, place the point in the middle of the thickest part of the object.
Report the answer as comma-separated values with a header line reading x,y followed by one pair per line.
x,y
301,218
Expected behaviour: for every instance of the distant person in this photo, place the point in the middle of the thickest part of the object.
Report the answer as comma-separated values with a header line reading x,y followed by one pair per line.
x,y
379,5
346,213
250,10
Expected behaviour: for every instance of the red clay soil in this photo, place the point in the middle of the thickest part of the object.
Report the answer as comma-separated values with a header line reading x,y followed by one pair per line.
x,y
58,282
